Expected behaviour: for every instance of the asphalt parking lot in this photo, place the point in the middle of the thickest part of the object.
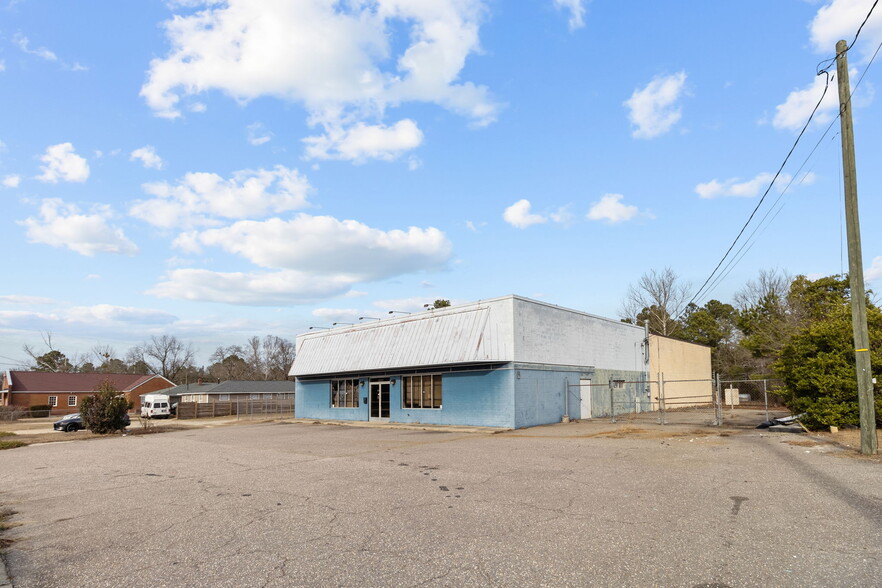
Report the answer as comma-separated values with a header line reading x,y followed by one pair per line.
x,y
299,504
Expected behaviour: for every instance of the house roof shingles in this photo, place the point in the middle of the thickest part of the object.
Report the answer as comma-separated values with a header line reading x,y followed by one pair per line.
x,y
66,382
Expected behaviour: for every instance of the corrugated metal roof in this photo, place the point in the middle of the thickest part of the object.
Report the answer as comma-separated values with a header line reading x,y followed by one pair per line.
x,y
443,337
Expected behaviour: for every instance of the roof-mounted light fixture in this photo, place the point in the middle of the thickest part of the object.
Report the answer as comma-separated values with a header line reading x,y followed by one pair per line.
x,y
341,323
401,311
373,318
326,328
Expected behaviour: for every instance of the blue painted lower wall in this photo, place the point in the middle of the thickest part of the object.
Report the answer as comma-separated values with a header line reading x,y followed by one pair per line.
x,y
522,395
480,399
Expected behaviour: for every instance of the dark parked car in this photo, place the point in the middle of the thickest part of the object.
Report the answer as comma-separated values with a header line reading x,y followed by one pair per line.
x,y
74,422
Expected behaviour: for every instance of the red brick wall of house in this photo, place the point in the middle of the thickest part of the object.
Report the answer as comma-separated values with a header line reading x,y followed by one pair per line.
x,y
28,399
155,385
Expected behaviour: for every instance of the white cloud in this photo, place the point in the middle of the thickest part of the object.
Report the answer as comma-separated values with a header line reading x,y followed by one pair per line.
x,y
653,110
563,215
147,156
11,181
100,315
795,110
62,225
61,163
576,8
2,65
258,135
361,142
611,209
256,288
199,199
106,313
518,215
341,60
412,305
41,52
840,19
26,300
874,272
749,188
307,259
334,315
325,245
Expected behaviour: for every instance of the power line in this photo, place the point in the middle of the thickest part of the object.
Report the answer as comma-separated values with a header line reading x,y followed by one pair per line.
x,y
829,77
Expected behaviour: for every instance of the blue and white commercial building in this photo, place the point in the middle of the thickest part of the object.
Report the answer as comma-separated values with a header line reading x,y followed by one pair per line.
x,y
506,362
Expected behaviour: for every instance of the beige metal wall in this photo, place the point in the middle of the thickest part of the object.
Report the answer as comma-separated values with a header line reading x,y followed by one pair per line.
x,y
676,361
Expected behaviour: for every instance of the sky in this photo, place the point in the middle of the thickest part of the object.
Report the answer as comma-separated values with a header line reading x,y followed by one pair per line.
x,y
222,169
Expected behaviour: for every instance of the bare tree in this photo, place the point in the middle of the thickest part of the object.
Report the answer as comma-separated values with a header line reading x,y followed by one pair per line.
x,y
52,360
228,364
769,283
166,355
658,298
278,354
255,359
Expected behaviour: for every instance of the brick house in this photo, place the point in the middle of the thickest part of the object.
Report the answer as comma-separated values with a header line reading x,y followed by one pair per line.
x,y
64,392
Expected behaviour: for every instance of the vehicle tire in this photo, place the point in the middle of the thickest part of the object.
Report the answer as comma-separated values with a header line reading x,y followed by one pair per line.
x,y
72,428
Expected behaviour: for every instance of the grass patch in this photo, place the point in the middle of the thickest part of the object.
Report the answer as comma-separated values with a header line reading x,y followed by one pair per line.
x,y
11,444
5,513
6,434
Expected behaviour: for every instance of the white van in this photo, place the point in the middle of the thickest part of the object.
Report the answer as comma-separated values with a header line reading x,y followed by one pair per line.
x,y
156,406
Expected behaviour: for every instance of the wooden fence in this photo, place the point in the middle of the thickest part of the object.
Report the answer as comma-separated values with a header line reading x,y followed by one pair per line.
x,y
239,408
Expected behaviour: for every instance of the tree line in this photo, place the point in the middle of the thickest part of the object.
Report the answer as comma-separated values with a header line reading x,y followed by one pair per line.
x,y
267,358
794,329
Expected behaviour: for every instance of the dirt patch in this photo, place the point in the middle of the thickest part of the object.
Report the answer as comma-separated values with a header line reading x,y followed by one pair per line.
x,y
622,432
850,441
61,437
804,443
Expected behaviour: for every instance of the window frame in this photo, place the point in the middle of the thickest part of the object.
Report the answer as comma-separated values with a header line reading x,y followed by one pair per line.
x,y
52,401
411,401
72,398
351,392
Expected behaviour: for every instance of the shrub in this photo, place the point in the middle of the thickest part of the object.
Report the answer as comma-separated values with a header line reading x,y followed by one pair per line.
x,y
105,411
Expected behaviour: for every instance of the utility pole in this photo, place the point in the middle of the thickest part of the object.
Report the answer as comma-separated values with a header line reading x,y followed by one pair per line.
x,y
869,442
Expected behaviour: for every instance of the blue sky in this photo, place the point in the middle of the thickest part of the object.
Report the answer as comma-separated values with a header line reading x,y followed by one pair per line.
x,y
217,169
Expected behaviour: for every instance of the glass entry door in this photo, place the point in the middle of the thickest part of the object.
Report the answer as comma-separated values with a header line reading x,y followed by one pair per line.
x,y
380,399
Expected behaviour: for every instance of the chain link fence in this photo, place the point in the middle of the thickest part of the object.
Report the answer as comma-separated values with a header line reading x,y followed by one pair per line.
x,y
14,413
682,401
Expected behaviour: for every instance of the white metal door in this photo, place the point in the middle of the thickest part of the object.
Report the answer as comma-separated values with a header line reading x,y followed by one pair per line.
x,y
584,399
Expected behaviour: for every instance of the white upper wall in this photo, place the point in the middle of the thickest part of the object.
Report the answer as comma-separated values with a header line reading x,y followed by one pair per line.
x,y
499,330
550,334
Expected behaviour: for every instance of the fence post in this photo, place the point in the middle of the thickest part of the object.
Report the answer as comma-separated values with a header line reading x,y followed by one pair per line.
x,y
566,418
661,398
612,405
718,404
766,398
